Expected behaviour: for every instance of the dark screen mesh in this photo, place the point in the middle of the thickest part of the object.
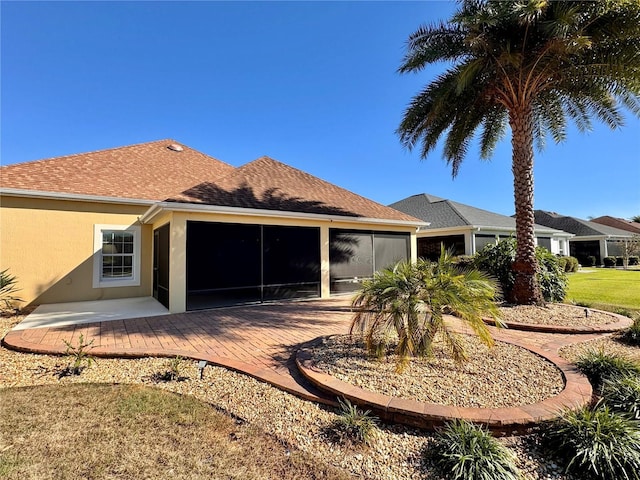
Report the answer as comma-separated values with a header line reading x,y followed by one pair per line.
x,y
352,254
230,264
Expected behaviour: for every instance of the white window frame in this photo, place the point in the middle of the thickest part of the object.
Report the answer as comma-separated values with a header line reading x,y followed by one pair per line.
x,y
98,280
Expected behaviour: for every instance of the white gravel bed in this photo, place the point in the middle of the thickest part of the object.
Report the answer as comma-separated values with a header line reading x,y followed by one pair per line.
x,y
396,453
504,375
558,314
610,344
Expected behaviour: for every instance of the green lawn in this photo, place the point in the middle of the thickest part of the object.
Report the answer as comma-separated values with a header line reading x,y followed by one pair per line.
x,y
606,288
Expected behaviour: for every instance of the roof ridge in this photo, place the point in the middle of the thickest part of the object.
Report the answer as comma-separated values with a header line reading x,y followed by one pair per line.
x,y
41,160
452,203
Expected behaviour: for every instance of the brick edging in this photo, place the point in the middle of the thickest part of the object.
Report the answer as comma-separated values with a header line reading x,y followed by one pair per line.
x,y
13,340
577,393
622,323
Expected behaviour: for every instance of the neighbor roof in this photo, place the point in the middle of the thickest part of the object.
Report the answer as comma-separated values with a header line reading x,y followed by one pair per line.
x,y
620,223
268,184
577,226
442,213
147,171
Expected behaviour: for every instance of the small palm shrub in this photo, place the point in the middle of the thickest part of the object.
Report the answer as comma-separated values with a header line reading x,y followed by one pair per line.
x,y
8,289
599,366
622,394
596,443
464,451
78,355
405,306
354,425
609,261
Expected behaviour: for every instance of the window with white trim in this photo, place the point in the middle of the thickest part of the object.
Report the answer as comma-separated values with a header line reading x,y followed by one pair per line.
x,y
116,256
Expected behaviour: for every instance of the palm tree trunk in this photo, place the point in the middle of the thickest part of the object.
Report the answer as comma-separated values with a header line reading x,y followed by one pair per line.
x,y
525,289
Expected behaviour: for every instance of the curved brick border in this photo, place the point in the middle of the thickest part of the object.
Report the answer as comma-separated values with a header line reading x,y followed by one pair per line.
x,y
621,323
577,392
15,340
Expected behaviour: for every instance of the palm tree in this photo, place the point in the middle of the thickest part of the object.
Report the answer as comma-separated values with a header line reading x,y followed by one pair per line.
x,y
529,64
405,305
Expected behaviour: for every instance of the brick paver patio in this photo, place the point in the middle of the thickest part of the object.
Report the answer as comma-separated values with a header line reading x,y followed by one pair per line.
x,y
258,340
262,340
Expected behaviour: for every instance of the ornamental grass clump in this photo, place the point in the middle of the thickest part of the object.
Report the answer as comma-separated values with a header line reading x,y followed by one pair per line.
x,y
599,366
464,451
354,425
403,308
596,443
632,334
622,394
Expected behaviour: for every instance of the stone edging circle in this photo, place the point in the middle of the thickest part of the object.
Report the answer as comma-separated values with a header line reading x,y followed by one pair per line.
x,y
577,393
622,323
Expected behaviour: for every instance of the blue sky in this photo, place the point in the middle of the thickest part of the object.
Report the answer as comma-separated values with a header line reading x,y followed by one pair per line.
x,y
312,84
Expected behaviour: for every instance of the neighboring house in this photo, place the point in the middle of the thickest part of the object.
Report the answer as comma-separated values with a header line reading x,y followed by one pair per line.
x,y
162,219
591,239
621,223
467,229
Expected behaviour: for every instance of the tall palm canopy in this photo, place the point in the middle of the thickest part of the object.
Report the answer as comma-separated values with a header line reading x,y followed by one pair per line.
x,y
531,65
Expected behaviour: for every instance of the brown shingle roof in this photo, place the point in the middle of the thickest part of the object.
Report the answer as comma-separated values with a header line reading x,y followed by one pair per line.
x,y
268,184
153,171
620,223
147,171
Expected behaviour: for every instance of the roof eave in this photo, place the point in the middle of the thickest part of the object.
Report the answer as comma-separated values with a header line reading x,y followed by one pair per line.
x,y
76,197
479,228
159,207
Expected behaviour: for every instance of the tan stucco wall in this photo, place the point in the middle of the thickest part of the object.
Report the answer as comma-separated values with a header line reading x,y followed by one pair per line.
x,y
49,244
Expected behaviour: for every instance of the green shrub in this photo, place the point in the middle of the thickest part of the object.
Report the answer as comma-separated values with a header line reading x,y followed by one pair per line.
x,y
563,262
572,264
599,366
553,280
596,444
634,260
568,264
619,261
622,394
463,451
354,425
588,261
8,289
463,261
609,261
496,260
